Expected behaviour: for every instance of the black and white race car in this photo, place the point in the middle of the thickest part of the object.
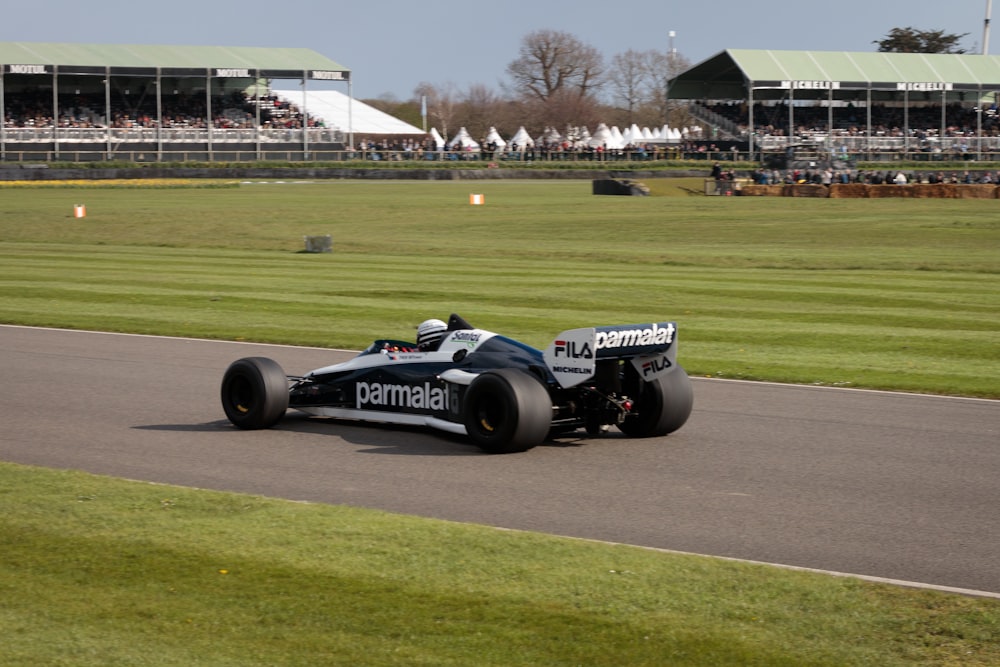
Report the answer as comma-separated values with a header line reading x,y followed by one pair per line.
x,y
504,395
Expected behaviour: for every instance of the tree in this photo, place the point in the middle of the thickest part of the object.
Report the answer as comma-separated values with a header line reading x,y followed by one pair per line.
x,y
638,81
629,74
663,66
911,40
478,110
440,104
553,63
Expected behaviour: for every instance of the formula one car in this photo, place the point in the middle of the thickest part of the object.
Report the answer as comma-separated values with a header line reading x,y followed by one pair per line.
x,y
504,395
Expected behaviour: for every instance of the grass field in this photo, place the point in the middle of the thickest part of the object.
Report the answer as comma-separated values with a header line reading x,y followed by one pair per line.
x,y
895,294
901,294
106,572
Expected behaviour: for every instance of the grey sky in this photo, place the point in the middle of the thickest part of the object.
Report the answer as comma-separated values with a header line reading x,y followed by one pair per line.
x,y
393,45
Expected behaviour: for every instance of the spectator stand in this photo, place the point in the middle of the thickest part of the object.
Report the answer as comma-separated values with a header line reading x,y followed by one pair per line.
x,y
872,106
100,102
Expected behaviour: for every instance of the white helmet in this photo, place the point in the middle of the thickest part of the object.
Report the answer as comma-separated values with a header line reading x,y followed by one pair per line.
x,y
430,333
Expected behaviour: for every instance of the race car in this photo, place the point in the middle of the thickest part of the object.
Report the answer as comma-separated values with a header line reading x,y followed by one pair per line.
x,y
504,395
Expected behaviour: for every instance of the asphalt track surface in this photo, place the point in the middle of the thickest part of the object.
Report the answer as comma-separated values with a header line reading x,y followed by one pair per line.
x,y
896,486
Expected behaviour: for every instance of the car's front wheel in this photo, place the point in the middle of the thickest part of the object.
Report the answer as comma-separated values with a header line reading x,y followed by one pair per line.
x,y
506,411
254,393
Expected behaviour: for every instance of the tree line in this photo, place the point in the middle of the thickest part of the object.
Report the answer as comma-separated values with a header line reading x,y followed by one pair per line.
x,y
556,80
559,81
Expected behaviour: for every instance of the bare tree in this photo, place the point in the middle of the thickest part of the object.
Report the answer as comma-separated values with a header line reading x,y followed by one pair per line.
x,y
663,66
638,80
551,62
559,111
629,81
480,108
441,104
555,82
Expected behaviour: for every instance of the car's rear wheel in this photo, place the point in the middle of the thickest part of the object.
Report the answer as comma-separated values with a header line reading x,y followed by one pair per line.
x,y
662,406
506,411
254,393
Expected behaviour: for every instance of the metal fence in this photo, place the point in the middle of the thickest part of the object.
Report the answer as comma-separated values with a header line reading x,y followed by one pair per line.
x,y
920,147
321,145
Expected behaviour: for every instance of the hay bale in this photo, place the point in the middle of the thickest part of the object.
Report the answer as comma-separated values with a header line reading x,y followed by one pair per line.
x,y
806,190
848,191
929,191
977,191
761,190
890,191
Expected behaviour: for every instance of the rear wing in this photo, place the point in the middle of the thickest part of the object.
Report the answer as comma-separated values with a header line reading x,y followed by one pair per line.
x,y
572,357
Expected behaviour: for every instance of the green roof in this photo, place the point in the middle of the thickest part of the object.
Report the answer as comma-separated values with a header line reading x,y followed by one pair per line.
x,y
178,60
732,73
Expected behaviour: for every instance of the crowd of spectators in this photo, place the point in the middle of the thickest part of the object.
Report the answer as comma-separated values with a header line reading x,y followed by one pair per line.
x,y
237,110
922,121
386,148
829,176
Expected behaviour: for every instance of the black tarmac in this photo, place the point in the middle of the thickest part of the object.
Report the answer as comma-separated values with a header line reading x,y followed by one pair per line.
x,y
897,486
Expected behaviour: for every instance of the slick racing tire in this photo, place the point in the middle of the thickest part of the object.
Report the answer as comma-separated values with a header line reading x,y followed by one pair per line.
x,y
254,393
506,411
663,404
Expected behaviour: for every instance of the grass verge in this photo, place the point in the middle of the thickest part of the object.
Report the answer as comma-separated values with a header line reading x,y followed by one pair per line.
x,y
93,571
96,571
893,294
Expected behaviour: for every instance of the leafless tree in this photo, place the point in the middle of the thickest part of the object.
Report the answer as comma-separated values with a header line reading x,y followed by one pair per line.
x,y
629,81
441,105
551,62
555,82
479,108
663,66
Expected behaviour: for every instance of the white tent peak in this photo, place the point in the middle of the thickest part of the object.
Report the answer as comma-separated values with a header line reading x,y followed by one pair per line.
x,y
521,139
550,135
610,139
463,140
617,140
493,137
439,141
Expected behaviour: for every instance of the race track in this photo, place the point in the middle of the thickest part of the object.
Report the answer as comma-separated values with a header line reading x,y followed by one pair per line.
x,y
899,486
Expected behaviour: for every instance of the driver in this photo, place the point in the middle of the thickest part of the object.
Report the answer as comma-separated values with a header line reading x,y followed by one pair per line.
x,y
429,334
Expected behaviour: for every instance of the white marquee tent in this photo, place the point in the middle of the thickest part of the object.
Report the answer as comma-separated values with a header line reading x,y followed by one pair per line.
x,y
463,141
493,137
354,117
338,111
439,141
521,138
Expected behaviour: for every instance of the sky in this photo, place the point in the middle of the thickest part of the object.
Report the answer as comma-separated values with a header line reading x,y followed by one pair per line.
x,y
391,46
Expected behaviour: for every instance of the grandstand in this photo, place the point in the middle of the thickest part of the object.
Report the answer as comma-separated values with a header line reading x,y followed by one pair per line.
x,y
847,104
85,102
